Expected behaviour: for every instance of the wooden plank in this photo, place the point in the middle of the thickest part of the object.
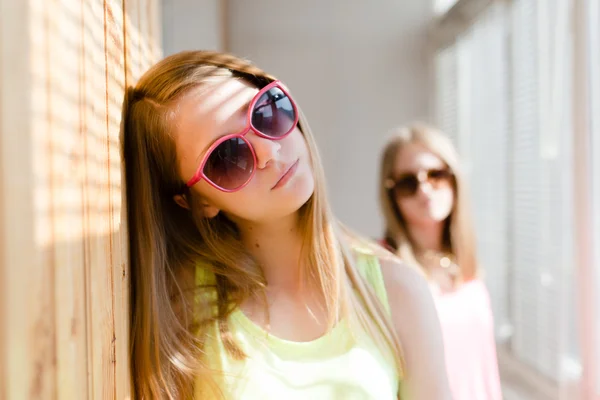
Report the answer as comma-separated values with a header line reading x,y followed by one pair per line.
x,y
115,56
133,68
100,323
65,150
64,282
16,216
146,43
42,329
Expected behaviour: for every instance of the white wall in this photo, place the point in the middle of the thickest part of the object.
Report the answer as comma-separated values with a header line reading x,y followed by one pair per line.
x,y
191,24
357,68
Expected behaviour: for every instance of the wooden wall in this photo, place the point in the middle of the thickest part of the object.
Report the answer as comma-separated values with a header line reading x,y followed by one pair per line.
x,y
64,65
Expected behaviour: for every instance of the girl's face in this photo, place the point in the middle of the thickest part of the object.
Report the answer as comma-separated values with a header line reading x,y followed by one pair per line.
x,y
424,186
283,180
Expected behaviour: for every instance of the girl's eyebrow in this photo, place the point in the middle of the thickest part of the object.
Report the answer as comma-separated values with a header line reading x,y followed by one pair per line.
x,y
243,109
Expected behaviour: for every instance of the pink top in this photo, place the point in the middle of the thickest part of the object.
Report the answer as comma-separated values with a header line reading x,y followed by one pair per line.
x,y
468,331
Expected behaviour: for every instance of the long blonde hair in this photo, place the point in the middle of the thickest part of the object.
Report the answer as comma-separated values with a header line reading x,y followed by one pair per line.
x,y
167,244
459,236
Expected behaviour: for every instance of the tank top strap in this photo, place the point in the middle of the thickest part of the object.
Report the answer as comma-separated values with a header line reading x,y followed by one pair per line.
x,y
368,266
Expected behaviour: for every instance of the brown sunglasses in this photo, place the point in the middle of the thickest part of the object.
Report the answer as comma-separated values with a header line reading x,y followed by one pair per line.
x,y
408,184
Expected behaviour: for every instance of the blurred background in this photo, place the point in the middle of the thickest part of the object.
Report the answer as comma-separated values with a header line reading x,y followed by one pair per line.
x,y
514,83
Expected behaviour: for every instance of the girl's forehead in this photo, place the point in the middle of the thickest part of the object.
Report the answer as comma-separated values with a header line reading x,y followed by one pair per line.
x,y
212,105
414,157
220,96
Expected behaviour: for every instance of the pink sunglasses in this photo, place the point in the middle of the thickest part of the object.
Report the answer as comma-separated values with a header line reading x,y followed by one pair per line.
x,y
230,162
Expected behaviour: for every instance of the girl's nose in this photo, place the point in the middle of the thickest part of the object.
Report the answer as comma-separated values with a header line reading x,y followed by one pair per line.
x,y
266,149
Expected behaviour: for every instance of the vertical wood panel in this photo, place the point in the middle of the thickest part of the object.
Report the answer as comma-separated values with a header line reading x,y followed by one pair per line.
x,y
64,278
15,199
64,149
115,83
98,267
43,331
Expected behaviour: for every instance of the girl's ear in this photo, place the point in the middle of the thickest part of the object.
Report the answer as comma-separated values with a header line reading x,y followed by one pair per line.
x,y
208,210
181,201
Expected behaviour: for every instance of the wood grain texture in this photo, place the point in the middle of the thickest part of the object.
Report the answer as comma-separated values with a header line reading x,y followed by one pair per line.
x,y
64,278
16,202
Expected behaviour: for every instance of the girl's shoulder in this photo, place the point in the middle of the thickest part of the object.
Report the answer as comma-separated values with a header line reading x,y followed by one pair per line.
x,y
362,246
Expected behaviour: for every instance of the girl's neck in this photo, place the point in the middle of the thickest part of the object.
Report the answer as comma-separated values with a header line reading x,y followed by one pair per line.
x,y
277,247
428,237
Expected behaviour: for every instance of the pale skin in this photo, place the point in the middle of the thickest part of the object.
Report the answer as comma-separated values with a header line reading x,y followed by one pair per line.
x,y
426,211
268,221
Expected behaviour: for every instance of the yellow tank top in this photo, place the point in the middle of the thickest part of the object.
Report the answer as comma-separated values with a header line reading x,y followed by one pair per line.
x,y
337,365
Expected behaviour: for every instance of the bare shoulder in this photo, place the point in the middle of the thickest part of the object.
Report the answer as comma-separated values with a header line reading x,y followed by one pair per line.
x,y
409,296
417,325
403,281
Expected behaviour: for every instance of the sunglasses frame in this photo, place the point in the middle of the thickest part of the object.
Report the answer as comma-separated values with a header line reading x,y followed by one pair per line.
x,y
391,184
199,175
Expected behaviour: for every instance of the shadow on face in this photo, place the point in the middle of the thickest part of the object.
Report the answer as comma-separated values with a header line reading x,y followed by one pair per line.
x,y
283,180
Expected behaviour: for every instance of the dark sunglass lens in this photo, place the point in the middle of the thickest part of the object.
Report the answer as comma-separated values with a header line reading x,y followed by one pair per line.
x,y
230,165
407,186
439,176
274,114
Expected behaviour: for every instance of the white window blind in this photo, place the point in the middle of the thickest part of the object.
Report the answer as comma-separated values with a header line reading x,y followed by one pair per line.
x,y
542,218
446,90
472,108
503,95
483,142
525,189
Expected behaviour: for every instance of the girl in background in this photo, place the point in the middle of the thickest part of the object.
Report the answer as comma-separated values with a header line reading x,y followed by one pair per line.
x,y
427,223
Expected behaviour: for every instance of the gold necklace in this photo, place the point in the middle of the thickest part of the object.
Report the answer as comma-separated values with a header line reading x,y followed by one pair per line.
x,y
444,260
